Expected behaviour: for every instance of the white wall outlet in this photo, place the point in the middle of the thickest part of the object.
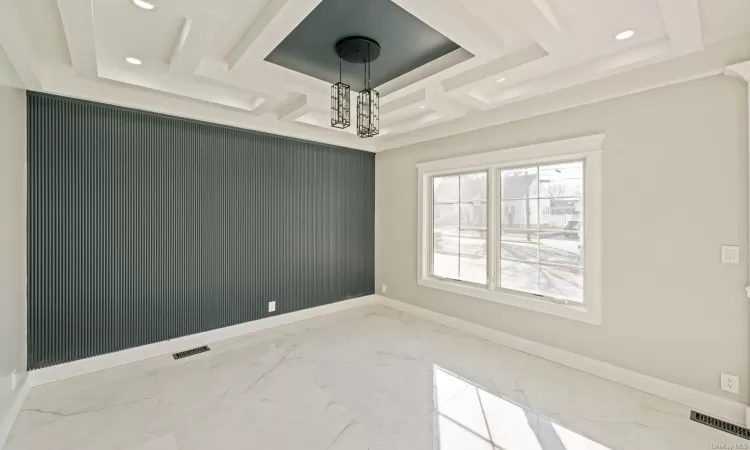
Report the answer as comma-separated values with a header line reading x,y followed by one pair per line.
x,y
383,288
730,383
13,381
730,254
271,306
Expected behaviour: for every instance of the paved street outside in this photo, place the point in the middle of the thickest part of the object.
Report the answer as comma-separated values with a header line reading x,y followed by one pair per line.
x,y
521,254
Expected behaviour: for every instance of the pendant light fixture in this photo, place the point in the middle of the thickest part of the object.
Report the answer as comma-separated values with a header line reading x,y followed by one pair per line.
x,y
340,94
368,105
360,50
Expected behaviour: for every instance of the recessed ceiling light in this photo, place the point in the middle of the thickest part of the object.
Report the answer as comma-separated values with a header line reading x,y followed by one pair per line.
x,y
133,61
421,107
499,80
143,4
624,34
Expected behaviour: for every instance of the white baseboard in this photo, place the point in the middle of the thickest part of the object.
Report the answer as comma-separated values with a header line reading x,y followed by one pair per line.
x,y
6,423
700,401
110,360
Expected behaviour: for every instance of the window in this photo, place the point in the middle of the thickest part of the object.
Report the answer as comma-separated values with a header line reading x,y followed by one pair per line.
x,y
517,226
541,253
459,227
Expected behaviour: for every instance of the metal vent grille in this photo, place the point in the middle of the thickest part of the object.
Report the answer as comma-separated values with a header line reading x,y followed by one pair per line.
x,y
191,352
720,424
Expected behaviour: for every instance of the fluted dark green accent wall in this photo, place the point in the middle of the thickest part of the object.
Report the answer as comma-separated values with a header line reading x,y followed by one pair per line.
x,y
144,227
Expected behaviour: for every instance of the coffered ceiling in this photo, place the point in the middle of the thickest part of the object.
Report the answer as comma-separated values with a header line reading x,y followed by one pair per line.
x,y
448,66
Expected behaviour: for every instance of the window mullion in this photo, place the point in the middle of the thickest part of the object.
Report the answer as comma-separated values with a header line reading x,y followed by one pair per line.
x,y
538,220
459,226
432,226
493,225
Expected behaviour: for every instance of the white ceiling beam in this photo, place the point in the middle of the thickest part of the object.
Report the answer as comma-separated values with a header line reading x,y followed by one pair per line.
x,y
184,86
494,69
394,120
216,71
683,23
273,24
18,47
446,106
523,75
403,108
64,82
538,19
457,23
192,9
741,70
268,80
8,75
688,67
421,120
267,106
414,99
319,120
428,73
78,22
420,109
288,80
293,108
192,45
180,60
473,99
310,118
591,70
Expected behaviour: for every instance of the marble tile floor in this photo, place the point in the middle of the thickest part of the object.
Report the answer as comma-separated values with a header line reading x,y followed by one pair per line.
x,y
369,378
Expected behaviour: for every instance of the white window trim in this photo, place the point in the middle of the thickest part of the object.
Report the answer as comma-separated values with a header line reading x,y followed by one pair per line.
x,y
588,148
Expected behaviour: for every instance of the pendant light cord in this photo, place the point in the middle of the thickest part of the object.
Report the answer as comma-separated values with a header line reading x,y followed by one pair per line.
x,y
369,66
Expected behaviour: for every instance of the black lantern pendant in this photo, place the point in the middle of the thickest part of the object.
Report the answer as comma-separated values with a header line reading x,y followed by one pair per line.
x,y
368,107
361,50
340,94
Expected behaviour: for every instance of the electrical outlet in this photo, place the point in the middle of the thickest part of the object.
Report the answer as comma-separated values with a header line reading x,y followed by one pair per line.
x,y
730,383
383,288
271,306
13,381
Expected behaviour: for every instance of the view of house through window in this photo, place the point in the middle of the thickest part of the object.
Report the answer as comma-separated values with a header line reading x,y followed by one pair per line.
x,y
541,226
459,227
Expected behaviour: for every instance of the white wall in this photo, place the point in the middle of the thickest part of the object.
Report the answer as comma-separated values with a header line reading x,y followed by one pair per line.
x,y
12,239
675,186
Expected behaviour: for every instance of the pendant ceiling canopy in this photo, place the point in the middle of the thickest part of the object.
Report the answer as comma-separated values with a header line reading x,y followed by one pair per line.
x,y
357,50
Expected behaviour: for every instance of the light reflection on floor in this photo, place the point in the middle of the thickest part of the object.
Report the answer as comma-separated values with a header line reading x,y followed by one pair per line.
x,y
365,379
470,418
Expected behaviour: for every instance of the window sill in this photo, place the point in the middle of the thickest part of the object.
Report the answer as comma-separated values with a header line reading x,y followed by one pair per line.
x,y
590,313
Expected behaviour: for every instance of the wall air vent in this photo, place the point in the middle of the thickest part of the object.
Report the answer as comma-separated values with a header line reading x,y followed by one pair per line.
x,y
720,424
191,352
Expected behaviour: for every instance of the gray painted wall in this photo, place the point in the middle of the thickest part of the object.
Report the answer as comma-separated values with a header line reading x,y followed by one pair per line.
x,y
675,188
12,242
144,227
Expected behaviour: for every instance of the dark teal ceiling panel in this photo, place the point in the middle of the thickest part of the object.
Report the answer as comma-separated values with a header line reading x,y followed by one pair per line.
x,y
406,42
